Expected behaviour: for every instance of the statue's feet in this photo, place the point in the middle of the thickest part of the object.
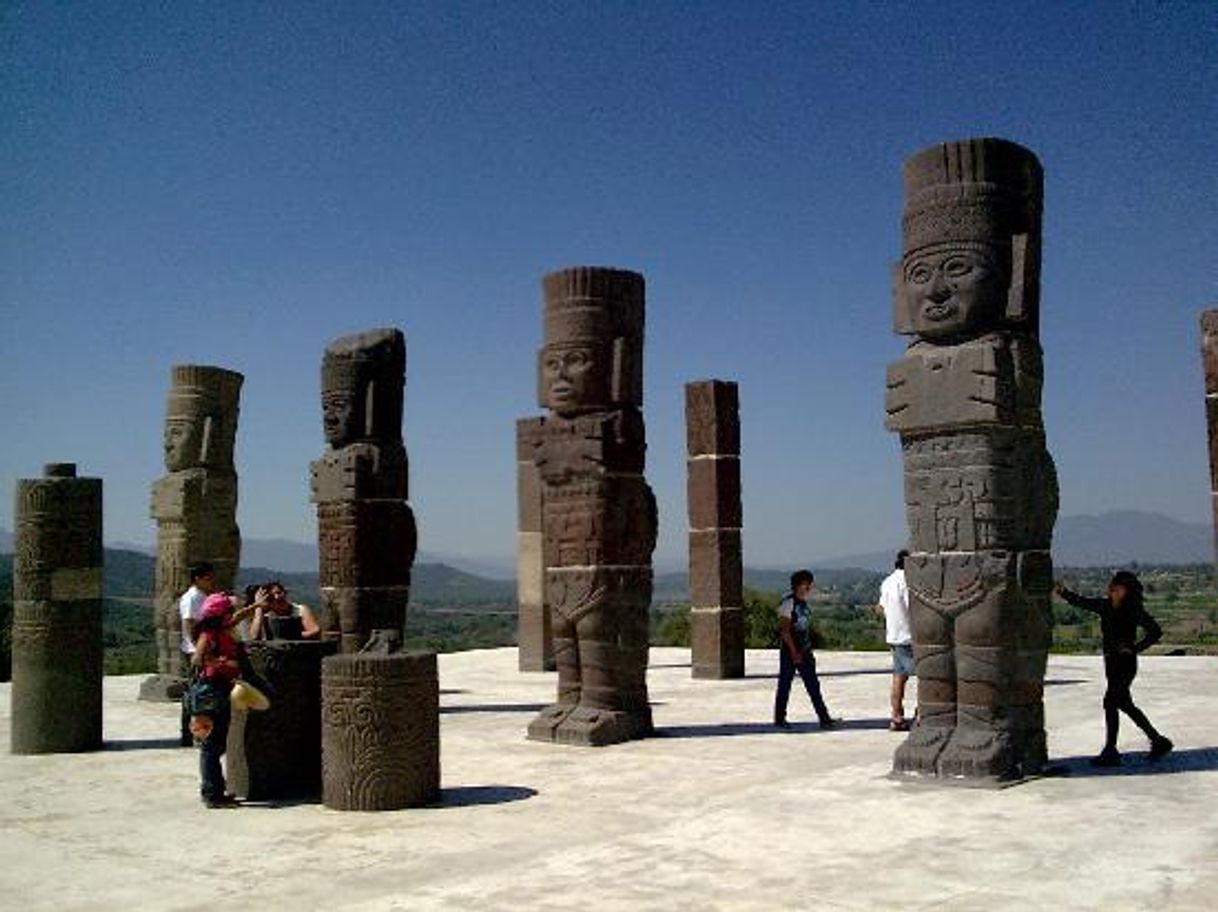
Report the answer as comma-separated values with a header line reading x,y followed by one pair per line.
x,y
992,753
919,755
589,726
545,725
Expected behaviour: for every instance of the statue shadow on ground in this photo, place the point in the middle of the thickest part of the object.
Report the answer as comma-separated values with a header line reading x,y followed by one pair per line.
x,y
736,729
1063,682
1188,760
492,708
846,673
476,795
135,744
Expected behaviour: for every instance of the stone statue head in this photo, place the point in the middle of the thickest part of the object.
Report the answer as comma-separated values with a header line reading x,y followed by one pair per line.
x,y
201,417
592,358
362,386
971,262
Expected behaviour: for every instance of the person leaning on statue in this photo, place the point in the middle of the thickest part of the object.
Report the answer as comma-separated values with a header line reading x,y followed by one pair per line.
x,y
1121,613
795,651
270,602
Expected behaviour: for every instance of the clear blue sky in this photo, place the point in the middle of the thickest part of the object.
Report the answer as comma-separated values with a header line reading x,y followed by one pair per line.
x,y
237,183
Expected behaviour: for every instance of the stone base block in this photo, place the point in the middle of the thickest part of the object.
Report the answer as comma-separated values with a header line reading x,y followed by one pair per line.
x,y
162,688
380,720
584,726
276,754
716,638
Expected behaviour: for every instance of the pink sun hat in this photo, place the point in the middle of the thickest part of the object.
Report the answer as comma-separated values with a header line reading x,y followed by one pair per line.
x,y
216,605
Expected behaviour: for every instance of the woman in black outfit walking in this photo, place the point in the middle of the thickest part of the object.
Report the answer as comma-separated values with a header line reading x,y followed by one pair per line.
x,y
1121,614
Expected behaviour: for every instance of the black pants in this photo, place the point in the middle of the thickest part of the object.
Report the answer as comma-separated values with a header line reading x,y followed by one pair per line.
x,y
786,674
211,773
1120,670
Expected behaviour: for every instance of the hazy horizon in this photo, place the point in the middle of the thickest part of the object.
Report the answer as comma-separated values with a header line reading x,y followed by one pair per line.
x,y
238,184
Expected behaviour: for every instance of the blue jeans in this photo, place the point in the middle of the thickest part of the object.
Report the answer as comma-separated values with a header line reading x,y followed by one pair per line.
x,y
786,674
211,773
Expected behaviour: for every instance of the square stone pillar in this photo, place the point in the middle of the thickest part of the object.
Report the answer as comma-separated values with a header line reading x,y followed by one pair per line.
x,y
716,570
1209,356
534,637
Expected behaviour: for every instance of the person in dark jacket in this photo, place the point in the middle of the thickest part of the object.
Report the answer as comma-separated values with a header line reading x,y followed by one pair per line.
x,y
1121,614
795,651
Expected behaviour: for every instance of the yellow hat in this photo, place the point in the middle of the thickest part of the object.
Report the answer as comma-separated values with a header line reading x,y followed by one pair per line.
x,y
246,696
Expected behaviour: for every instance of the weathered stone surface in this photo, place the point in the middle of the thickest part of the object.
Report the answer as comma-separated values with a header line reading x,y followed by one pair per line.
x,y
380,731
57,613
1209,350
534,637
367,536
712,418
716,569
717,642
980,487
598,514
194,505
276,754
714,493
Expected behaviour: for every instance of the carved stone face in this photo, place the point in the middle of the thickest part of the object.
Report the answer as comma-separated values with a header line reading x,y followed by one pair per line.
x,y
575,378
340,417
953,290
183,443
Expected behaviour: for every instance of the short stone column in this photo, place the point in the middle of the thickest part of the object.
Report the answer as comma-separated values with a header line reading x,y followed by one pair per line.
x,y
380,742
57,614
716,563
276,754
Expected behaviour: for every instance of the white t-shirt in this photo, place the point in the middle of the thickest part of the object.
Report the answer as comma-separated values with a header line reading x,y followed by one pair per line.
x,y
894,599
190,606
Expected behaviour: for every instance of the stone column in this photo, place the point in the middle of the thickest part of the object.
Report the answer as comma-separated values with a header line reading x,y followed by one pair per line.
x,y
57,613
598,514
194,505
366,529
535,642
1209,358
980,486
716,568
380,729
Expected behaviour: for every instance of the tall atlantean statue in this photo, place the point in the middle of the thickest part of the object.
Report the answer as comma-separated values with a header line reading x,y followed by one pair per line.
x,y
980,486
365,527
57,613
599,515
1209,361
194,505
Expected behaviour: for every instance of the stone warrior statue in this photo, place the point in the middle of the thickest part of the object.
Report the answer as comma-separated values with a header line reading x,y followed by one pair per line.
x,y
366,529
980,486
599,515
195,506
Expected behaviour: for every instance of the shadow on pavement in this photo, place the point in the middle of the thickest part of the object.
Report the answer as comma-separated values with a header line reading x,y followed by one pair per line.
x,y
139,744
492,708
471,795
734,729
1062,682
1188,760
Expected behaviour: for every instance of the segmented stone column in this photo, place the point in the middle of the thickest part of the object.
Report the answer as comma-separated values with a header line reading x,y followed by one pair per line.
x,y
57,613
194,505
980,487
535,639
716,584
380,729
1209,358
598,514
366,529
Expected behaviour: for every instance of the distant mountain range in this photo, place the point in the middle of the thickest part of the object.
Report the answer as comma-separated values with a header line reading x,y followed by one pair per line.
x,y
1109,539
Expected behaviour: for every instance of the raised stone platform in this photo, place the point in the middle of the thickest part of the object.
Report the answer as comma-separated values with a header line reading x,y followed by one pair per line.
x,y
718,811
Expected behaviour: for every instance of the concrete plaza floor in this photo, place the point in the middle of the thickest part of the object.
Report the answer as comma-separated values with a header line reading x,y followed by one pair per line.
x,y
719,810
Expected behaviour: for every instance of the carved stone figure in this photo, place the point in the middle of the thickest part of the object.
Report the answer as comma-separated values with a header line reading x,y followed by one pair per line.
x,y
1209,358
194,505
57,613
535,637
716,584
380,728
980,486
366,529
598,514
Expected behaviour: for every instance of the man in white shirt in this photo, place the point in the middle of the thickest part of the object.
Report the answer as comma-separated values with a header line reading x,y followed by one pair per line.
x,y
894,603
190,608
